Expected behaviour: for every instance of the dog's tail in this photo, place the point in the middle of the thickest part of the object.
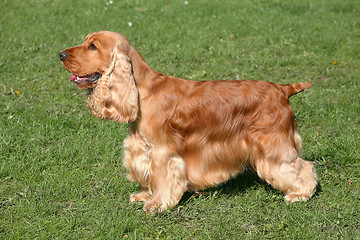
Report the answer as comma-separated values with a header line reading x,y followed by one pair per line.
x,y
291,89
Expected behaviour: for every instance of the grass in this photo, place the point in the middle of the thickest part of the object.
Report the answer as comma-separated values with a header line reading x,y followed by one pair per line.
x,y
61,175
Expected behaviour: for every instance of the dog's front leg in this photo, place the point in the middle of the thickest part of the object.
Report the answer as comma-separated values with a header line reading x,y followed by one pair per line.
x,y
167,180
137,161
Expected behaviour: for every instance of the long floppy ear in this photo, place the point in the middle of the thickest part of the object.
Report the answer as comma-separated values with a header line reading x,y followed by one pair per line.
x,y
116,96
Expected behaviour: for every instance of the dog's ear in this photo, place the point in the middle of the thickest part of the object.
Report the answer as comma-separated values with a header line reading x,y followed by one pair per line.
x,y
116,96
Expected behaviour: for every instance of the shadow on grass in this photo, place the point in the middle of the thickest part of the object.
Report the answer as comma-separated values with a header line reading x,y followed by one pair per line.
x,y
240,184
318,189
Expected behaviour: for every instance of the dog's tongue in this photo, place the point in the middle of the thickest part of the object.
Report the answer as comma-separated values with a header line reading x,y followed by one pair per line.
x,y
73,77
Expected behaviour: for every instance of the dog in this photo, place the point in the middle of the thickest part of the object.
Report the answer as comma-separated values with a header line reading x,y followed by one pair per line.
x,y
187,135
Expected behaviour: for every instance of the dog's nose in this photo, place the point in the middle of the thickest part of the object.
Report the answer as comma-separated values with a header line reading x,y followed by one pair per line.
x,y
63,56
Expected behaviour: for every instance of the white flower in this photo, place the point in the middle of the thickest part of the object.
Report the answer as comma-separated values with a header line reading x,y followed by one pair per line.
x,y
111,2
130,24
186,2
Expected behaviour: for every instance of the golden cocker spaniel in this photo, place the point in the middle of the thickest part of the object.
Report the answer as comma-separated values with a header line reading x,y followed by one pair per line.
x,y
190,135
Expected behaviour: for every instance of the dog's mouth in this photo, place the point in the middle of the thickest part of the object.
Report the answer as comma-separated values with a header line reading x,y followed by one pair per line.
x,y
90,78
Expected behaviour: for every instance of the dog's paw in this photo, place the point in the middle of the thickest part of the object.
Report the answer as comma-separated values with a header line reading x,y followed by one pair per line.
x,y
154,207
139,197
291,198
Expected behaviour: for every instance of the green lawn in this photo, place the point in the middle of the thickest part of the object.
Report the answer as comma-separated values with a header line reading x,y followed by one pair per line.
x,y
61,173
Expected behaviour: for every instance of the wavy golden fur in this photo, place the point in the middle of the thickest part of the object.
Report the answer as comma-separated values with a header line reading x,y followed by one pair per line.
x,y
189,135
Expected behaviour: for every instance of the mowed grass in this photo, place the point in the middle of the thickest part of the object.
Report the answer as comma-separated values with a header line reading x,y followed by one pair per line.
x,y
61,173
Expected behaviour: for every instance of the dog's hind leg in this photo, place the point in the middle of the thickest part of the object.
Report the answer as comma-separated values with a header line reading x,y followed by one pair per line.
x,y
296,178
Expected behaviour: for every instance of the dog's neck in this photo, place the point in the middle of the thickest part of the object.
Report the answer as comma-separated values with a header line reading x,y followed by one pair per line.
x,y
140,68
145,77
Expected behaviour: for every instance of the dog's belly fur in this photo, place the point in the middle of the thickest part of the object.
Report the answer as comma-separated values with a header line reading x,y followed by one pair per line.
x,y
210,163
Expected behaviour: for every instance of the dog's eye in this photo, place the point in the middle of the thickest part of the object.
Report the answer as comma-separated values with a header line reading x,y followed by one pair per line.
x,y
92,47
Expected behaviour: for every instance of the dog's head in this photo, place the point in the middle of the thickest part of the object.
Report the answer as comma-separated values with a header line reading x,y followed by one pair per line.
x,y
102,63
90,60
